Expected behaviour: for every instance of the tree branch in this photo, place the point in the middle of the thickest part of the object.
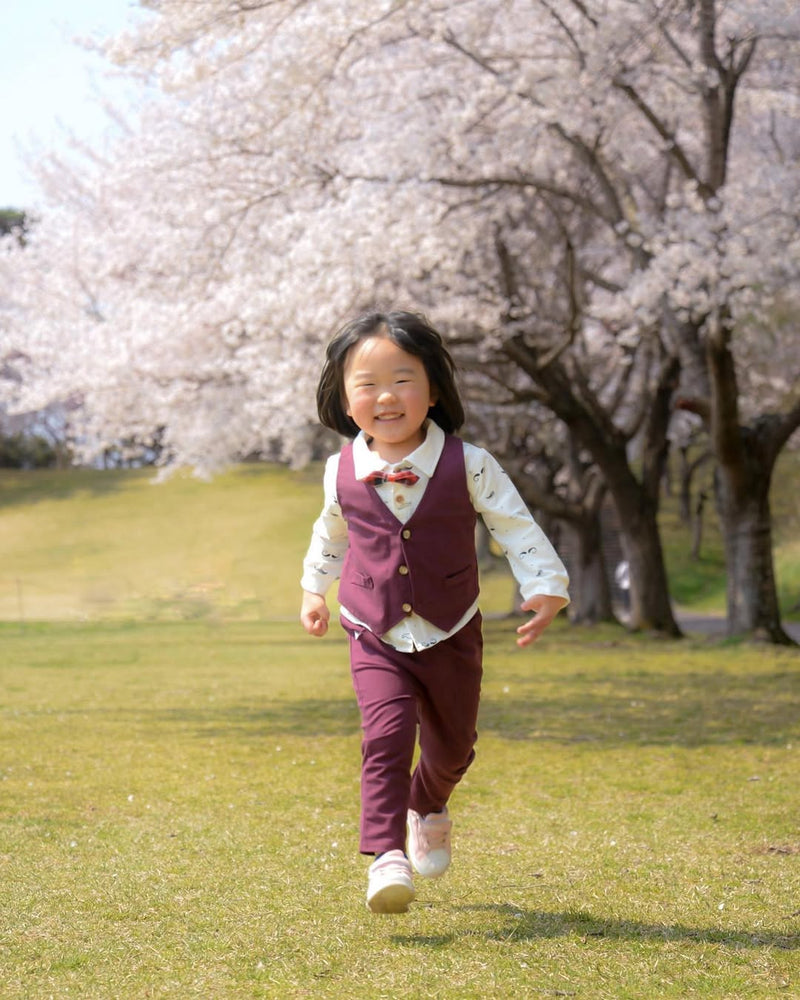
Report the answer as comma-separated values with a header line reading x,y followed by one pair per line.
x,y
676,151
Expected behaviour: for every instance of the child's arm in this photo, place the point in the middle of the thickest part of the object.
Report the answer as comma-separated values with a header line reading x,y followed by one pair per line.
x,y
546,607
540,573
323,562
314,614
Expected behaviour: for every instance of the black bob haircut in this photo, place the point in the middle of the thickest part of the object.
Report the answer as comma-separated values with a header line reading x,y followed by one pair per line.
x,y
412,334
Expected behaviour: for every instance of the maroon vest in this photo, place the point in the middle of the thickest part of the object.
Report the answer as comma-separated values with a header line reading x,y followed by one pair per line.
x,y
427,565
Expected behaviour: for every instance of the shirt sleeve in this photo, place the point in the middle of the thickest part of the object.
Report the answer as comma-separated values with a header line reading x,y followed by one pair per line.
x,y
530,554
323,562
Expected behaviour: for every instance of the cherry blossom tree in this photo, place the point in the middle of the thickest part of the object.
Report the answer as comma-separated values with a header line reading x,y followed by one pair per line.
x,y
597,198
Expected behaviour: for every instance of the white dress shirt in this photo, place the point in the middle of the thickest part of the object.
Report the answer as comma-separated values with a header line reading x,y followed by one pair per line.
x,y
533,560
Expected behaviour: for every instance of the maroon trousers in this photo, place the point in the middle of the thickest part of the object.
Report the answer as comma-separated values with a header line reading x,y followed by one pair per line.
x,y
437,689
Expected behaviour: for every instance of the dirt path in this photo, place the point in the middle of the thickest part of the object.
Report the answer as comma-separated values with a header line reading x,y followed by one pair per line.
x,y
714,625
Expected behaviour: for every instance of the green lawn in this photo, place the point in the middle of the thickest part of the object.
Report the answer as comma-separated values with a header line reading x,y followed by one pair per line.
x,y
179,813
92,545
179,771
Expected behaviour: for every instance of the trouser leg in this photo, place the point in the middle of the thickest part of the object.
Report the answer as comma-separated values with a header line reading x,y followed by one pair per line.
x,y
437,688
387,700
448,714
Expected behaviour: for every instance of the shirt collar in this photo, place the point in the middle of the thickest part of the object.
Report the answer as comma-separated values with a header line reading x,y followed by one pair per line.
x,y
422,459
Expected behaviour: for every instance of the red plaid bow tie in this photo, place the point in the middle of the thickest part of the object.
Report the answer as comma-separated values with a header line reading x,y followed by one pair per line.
x,y
402,476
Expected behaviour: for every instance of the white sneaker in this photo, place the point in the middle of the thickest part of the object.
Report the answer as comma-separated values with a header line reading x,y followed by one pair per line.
x,y
429,842
390,888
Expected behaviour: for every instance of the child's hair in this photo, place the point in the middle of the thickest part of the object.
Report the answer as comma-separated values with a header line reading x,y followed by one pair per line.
x,y
412,334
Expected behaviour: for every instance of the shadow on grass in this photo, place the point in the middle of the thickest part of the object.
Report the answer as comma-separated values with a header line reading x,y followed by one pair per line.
x,y
691,710
31,486
528,925
309,717
28,487
687,709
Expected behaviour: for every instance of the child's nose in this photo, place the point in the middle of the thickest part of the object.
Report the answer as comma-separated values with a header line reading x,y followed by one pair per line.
x,y
385,394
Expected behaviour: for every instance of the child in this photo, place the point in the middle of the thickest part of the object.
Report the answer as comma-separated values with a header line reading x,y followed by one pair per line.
x,y
398,530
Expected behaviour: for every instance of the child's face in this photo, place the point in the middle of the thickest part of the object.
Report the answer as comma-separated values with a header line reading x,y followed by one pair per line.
x,y
388,395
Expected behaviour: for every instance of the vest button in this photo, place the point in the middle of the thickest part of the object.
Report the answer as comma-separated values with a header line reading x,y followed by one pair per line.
x,y
407,608
407,533
403,571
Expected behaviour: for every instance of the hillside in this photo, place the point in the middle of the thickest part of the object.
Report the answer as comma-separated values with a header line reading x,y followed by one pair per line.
x,y
87,543
115,544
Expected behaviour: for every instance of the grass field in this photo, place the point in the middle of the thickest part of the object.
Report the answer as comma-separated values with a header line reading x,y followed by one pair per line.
x,y
179,770
95,545
87,544
179,819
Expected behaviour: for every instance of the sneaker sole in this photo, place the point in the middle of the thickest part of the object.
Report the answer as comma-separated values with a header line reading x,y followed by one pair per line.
x,y
391,899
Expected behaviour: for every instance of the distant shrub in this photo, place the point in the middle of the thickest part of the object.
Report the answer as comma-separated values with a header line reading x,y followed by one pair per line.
x,y
26,451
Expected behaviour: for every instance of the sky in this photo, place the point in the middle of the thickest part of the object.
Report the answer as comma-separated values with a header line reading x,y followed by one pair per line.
x,y
48,85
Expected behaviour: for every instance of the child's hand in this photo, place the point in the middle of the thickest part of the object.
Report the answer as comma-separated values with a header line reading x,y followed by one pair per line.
x,y
546,607
314,614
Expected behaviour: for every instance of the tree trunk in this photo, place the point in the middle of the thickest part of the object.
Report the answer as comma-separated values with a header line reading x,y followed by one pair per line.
x,y
650,605
686,473
685,486
746,520
697,525
746,457
589,590
570,398
574,526
747,530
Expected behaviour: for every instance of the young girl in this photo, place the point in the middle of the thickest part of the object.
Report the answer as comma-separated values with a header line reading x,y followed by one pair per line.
x,y
397,530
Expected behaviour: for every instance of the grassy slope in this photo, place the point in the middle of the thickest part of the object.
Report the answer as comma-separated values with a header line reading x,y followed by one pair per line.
x,y
91,544
86,544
